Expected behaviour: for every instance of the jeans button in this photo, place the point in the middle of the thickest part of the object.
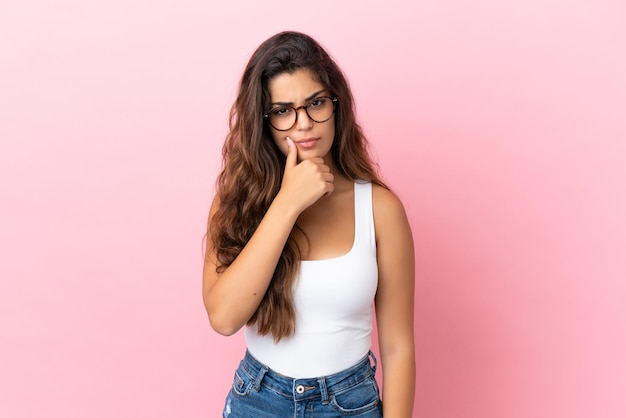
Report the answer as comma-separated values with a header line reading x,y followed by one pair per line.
x,y
300,389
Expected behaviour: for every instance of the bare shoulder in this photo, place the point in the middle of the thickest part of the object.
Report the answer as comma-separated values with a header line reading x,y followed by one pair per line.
x,y
388,209
215,204
209,249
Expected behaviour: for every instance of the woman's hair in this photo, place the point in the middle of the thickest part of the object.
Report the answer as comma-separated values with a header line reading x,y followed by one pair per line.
x,y
253,165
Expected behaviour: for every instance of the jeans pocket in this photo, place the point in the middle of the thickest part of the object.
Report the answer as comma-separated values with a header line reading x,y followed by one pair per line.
x,y
358,399
242,383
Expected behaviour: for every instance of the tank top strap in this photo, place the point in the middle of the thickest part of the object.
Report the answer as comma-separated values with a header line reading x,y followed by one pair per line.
x,y
364,214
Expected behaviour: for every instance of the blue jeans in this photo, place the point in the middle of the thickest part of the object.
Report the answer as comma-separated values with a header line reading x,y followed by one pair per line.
x,y
259,392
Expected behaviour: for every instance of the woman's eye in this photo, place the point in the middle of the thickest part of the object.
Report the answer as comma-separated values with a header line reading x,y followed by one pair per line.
x,y
316,103
281,111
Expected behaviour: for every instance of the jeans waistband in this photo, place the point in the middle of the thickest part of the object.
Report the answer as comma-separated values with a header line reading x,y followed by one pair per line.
x,y
322,386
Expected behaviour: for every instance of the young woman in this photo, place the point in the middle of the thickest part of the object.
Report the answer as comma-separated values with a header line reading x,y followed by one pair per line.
x,y
303,238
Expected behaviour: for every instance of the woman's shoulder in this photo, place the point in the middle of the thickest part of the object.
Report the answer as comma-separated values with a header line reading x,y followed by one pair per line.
x,y
391,224
215,205
215,213
389,213
385,201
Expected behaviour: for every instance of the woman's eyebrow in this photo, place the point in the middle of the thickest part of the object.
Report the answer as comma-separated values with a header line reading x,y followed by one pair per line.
x,y
305,100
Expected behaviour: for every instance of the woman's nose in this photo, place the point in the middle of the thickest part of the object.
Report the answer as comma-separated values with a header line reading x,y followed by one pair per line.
x,y
303,121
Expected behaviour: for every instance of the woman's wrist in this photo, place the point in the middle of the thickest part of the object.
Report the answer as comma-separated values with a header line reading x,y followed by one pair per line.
x,y
284,206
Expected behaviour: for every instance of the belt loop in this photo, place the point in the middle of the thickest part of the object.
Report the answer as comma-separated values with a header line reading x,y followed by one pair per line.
x,y
323,390
259,378
371,354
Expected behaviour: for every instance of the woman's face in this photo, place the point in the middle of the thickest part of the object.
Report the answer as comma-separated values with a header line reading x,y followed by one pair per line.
x,y
311,138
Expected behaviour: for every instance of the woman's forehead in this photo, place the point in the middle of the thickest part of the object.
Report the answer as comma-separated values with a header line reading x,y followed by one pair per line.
x,y
294,87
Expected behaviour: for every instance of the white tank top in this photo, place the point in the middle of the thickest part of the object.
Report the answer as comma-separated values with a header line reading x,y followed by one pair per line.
x,y
333,302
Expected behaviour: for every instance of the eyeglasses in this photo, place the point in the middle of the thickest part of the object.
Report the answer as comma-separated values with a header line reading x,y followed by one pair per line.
x,y
284,117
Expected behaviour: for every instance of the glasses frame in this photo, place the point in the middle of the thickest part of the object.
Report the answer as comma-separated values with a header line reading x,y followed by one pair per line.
x,y
266,116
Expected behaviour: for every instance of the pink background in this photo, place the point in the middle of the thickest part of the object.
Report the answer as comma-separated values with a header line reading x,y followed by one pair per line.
x,y
500,124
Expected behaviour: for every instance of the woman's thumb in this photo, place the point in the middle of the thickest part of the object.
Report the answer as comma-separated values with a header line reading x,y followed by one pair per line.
x,y
292,154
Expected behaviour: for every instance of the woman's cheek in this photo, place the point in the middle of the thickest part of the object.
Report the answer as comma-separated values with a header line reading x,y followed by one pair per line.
x,y
281,143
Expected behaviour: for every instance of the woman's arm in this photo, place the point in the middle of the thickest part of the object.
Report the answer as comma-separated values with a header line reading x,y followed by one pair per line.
x,y
394,303
233,296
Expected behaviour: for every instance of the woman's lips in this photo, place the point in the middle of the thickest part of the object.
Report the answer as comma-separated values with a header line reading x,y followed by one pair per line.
x,y
306,142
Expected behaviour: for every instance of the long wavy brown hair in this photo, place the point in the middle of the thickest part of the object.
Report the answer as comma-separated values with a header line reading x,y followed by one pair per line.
x,y
253,165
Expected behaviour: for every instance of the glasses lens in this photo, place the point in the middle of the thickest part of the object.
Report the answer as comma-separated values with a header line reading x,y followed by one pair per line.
x,y
282,118
320,109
